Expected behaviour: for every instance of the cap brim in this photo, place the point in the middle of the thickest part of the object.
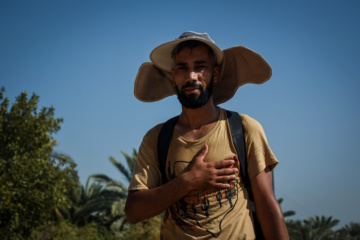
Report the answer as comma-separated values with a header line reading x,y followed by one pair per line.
x,y
240,66
153,84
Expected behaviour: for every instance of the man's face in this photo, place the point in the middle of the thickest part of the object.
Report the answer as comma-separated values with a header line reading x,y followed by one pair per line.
x,y
194,75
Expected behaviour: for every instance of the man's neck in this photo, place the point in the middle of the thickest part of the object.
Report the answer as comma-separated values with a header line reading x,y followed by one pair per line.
x,y
196,123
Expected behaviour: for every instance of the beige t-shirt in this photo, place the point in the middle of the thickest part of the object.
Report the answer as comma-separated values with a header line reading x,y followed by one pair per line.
x,y
222,214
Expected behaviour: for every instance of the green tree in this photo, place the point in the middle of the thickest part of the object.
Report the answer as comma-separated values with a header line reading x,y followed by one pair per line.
x,y
130,160
97,201
33,183
318,228
349,232
102,200
148,229
65,230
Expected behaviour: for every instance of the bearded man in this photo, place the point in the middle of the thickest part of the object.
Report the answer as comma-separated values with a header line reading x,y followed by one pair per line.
x,y
199,184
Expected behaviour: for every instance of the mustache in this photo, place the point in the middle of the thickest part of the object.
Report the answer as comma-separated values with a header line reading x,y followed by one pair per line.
x,y
191,84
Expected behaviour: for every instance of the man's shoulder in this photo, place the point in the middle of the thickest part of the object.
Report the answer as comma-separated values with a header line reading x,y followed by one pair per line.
x,y
250,124
153,133
249,120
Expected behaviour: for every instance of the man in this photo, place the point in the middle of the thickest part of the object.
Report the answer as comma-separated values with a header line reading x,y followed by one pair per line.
x,y
203,194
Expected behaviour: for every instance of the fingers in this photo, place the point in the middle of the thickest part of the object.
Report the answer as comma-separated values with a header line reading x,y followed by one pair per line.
x,y
226,178
224,182
227,163
227,172
222,185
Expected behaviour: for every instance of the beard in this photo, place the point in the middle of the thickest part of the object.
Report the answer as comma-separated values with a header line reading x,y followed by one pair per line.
x,y
193,101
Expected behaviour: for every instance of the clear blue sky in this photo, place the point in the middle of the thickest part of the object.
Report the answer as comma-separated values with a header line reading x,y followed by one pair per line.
x,y
82,58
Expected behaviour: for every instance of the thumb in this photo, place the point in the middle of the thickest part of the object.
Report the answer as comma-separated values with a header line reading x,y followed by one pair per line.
x,y
200,156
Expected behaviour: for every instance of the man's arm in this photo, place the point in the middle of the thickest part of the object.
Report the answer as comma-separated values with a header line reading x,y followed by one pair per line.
x,y
144,204
268,210
199,175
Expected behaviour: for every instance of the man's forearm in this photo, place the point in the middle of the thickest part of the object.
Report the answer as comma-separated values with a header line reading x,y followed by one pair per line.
x,y
268,210
271,220
144,204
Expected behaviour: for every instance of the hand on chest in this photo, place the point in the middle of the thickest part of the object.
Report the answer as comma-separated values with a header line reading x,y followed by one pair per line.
x,y
182,152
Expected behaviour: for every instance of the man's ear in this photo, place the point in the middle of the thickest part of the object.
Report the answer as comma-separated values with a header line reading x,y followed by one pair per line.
x,y
216,73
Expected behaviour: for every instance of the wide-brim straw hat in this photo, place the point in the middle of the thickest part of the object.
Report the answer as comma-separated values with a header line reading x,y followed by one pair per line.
x,y
239,65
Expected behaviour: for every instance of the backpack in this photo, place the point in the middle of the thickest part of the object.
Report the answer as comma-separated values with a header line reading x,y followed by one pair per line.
x,y
237,134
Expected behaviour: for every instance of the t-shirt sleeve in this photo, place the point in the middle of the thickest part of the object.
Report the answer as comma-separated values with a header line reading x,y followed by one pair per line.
x,y
147,174
259,154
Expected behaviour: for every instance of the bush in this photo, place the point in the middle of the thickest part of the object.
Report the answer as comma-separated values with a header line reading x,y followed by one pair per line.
x,y
33,183
66,230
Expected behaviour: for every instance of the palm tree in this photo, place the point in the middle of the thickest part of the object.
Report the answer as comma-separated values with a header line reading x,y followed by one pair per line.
x,y
130,160
318,228
287,213
97,201
102,200
105,197
323,226
147,229
115,216
350,232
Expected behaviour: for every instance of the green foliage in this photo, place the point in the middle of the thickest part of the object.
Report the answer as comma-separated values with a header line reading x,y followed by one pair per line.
x,y
349,232
33,182
95,202
102,202
145,230
318,228
66,230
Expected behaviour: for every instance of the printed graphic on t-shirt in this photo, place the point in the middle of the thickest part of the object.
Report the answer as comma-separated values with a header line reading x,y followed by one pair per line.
x,y
206,209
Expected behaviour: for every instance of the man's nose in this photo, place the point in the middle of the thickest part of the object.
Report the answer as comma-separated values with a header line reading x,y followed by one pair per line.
x,y
192,74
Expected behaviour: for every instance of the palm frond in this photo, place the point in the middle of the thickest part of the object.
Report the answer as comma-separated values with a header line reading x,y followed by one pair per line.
x,y
289,213
130,160
121,168
118,187
94,190
99,178
101,203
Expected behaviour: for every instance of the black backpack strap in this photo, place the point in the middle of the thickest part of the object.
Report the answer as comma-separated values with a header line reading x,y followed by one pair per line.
x,y
237,134
164,139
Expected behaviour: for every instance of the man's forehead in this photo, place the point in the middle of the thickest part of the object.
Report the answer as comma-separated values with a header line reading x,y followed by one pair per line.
x,y
198,54
183,63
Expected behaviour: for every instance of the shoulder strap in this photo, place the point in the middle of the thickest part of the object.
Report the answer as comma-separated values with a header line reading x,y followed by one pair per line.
x,y
164,139
237,134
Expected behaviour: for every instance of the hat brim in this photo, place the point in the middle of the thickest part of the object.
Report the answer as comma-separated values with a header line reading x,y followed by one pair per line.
x,y
240,66
161,56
